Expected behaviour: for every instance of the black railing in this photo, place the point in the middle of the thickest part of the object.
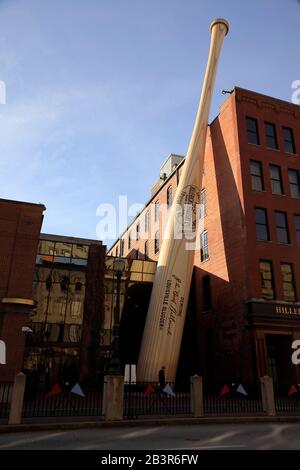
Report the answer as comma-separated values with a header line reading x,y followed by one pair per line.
x,y
65,403
287,399
150,399
5,398
232,403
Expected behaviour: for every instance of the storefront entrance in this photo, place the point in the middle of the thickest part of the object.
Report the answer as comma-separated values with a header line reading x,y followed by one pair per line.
x,y
280,366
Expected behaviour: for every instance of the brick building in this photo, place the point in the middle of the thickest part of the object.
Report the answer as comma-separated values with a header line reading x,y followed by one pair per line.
x,y
20,224
246,284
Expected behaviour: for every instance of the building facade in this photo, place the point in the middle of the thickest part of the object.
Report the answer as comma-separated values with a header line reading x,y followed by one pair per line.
x,y
20,224
246,283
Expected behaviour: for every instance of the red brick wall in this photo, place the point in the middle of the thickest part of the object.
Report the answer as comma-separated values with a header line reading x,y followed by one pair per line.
x,y
20,225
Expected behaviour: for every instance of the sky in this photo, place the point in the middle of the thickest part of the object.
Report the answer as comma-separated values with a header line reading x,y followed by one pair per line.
x,y
100,92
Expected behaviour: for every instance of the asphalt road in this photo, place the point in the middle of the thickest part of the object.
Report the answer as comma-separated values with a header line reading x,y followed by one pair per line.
x,y
197,437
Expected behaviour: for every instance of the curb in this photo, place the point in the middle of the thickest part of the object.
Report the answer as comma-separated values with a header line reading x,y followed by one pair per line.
x,y
34,427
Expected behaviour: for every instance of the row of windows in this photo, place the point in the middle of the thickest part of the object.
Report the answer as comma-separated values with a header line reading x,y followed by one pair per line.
x,y
257,179
270,135
267,281
120,251
281,223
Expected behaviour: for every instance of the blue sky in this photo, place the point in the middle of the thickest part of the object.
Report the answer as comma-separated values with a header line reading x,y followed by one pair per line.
x,y
99,92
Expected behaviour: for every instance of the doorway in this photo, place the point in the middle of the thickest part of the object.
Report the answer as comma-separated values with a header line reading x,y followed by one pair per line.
x,y
280,366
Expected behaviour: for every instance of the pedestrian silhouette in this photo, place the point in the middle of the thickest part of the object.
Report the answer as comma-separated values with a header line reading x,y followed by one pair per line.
x,y
162,378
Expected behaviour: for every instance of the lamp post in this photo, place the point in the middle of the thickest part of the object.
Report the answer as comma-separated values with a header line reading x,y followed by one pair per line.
x,y
115,363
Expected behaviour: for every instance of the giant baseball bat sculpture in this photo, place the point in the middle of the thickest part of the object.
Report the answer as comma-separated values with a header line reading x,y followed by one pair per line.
x,y
167,309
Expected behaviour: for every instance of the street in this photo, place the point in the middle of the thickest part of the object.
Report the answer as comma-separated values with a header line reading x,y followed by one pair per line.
x,y
258,436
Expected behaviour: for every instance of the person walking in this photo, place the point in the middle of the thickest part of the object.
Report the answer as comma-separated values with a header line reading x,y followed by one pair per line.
x,y
162,378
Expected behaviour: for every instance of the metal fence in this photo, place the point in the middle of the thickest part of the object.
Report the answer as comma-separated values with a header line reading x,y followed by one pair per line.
x,y
287,400
5,398
232,404
150,399
44,404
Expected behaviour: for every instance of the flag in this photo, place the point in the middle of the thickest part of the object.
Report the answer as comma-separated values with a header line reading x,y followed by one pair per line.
x,y
292,390
168,390
149,390
55,390
224,390
241,390
77,390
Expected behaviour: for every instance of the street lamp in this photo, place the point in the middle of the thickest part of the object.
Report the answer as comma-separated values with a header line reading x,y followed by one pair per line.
x,y
115,363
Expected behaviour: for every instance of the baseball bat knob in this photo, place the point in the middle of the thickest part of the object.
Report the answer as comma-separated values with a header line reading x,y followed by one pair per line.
x,y
220,21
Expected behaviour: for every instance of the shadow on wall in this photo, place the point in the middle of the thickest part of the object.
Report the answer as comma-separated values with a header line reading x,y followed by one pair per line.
x,y
224,346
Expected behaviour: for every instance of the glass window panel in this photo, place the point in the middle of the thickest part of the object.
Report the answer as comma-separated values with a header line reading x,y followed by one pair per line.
x,y
271,137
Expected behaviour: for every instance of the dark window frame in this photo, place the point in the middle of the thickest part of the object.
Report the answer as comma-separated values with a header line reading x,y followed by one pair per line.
x,y
275,181
146,249
271,136
293,171
156,242
257,177
204,251
292,282
252,132
169,196
272,280
203,206
289,142
258,224
280,228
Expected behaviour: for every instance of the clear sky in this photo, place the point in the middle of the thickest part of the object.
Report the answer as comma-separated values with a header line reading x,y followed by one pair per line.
x,y
99,92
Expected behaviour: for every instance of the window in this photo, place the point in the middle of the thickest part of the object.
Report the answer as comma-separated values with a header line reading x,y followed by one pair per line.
x,y
204,246
271,137
262,229
288,137
129,240
252,131
137,231
156,243
257,181
288,285
122,248
267,280
203,204
146,222
282,227
78,286
156,211
206,291
297,224
169,196
117,251
294,183
276,180
146,249
64,283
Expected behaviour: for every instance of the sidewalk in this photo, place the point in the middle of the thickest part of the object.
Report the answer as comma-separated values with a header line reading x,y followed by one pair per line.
x,y
70,424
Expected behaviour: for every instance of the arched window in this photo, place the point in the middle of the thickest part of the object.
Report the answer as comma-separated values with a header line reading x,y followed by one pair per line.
x,y
138,231
146,249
